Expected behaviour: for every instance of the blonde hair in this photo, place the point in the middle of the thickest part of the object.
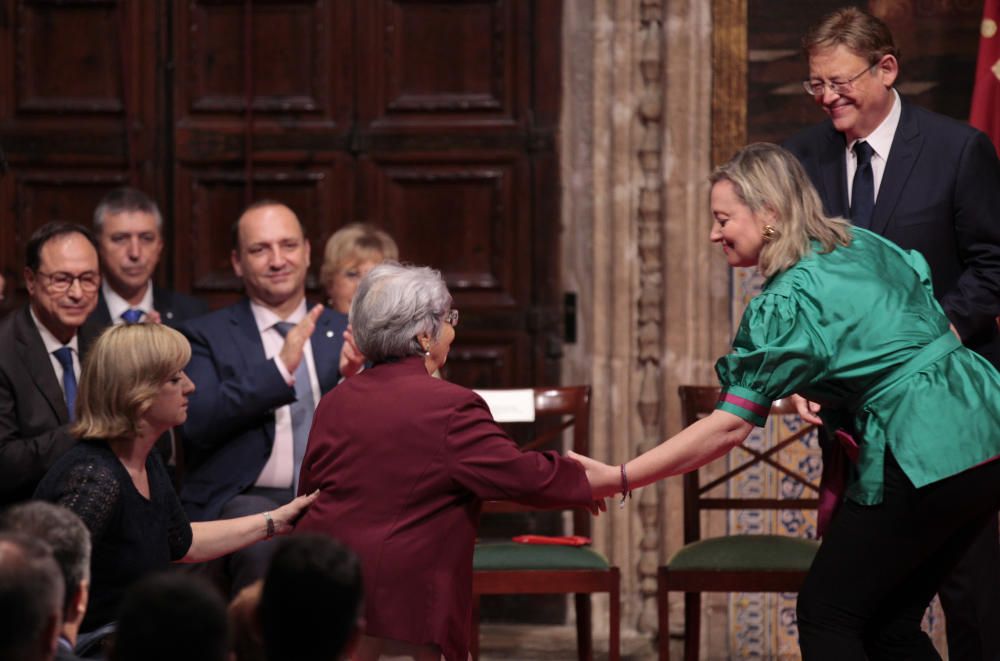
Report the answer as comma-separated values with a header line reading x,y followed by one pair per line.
x,y
352,243
122,373
767,177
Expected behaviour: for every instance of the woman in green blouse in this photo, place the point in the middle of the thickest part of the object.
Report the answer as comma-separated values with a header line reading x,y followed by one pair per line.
x,y
848,320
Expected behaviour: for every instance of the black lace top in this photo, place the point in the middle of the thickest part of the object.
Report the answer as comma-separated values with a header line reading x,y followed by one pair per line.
x,y
131,536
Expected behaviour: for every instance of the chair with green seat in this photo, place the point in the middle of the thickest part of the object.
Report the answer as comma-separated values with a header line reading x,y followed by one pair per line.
x,y
733,563
507,567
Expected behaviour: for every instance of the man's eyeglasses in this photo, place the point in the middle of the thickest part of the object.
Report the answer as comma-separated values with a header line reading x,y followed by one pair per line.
x,y
62,281
451,317
817,87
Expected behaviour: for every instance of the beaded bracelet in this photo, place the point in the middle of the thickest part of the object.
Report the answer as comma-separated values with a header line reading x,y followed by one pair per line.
x,y
626,491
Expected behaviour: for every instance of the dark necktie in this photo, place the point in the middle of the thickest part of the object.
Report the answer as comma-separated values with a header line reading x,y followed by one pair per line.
x,y
863,190
65,358
301,409
132,316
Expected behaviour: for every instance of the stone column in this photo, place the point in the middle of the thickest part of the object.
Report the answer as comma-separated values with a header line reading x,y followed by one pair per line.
x,y
635,146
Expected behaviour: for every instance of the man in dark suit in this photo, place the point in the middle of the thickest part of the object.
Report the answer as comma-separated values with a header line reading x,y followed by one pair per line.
x,y
129,230
260,366
931,184
69,538
42,349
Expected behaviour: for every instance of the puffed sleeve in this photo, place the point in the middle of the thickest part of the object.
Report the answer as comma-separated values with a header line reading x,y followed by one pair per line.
x,y
778,348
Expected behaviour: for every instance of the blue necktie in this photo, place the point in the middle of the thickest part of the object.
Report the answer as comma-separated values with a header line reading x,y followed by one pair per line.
x,y
863,190
65,358
302,409
132,316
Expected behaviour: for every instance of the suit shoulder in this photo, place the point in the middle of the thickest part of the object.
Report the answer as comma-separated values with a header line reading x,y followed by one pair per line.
x,y
808,139
207,323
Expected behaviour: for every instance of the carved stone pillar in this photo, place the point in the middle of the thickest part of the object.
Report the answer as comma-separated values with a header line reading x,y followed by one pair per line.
x,y
635,145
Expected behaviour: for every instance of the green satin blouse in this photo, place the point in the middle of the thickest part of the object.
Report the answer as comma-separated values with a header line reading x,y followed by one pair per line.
x,y
859,331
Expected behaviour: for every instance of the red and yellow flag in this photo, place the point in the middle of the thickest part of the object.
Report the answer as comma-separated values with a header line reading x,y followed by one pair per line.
x,y
985,112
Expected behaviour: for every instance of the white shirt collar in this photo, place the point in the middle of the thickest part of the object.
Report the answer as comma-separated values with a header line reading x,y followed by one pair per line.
x,y
266,318
117,304
49,340
881,138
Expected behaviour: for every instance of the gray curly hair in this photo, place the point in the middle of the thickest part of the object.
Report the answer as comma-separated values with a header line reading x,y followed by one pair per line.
x,y
393,305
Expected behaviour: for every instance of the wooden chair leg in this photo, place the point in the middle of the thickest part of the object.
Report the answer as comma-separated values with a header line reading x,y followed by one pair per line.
x,y
614,613
663,610
692,625
584,635
474,633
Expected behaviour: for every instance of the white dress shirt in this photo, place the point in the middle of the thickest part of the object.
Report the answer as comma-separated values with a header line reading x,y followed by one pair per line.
x,y
279,469
52,345
117,304
881,142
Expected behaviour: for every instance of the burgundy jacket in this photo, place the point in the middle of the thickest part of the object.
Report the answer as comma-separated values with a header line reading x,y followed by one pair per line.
x,y
403,461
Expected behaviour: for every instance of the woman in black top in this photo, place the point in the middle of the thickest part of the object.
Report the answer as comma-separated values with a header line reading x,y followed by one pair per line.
x,y
132,390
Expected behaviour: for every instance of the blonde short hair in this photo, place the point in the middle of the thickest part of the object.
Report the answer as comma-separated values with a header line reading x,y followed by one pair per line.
x,y
355,243
767,177
122,373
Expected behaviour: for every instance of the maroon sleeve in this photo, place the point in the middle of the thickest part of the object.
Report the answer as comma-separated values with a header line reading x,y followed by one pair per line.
x,y
484,460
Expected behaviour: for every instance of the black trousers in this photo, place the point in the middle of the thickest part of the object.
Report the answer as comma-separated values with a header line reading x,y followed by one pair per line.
x,y
970,597
879,566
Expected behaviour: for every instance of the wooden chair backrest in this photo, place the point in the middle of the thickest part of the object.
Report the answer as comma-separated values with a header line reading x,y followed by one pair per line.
x,y
556,409
699,401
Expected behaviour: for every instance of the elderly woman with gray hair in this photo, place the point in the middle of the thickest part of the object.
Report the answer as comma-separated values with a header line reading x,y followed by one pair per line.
x,y
402,462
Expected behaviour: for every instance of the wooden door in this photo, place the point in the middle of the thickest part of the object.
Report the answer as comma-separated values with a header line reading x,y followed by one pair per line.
x,y
433,120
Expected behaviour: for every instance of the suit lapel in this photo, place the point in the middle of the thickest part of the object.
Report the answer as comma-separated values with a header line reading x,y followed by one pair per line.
x,y
245,333
31,351
833,168
906,145
327,360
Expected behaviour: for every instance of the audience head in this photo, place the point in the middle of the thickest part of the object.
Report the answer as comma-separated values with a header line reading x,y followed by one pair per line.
x,y
771,209
310,603
129,231
31,599
132,376
350,254
402,311
62,276
69,540
852,51
244,625
271,255
170,617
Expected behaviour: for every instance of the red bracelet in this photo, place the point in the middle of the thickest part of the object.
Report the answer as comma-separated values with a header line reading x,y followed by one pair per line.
x,y
626,492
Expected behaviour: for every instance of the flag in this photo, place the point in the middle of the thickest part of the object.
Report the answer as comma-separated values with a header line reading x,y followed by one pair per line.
x,y
985,111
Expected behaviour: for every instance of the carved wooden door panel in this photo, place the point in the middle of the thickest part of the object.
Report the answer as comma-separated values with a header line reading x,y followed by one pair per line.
x,y
433,120
79,98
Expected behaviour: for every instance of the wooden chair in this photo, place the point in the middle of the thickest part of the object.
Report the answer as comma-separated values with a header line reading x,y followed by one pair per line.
x,y
505,567
732,563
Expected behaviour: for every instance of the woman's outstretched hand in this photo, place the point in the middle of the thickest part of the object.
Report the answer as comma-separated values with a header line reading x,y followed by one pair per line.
x,y
604,479
286,515
807,410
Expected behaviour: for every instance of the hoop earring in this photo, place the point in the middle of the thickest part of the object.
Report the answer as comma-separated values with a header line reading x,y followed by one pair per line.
x,y
768,233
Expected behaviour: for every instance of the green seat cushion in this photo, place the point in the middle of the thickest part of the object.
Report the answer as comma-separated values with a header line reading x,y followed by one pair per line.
x,y
493,556
747,552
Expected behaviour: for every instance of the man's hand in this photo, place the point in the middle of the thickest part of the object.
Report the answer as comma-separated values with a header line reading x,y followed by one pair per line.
x,y
351,358
295,342
807,410
152,317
